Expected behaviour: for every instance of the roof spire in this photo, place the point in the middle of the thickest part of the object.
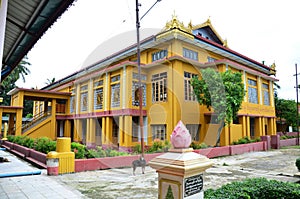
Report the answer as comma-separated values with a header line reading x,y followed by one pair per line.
x,y
176,24
208,20
190,25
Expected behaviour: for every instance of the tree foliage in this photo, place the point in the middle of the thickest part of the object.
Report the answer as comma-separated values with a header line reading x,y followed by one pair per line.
x,y
9,83
286,110
224,92
50,81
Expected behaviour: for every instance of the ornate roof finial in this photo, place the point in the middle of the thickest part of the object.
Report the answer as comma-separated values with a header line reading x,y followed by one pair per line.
x,y
174,15
225,43
273,69
208,20
175,23
190,25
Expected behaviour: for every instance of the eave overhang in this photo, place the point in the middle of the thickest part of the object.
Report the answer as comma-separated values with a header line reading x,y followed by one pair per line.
x,y
26,23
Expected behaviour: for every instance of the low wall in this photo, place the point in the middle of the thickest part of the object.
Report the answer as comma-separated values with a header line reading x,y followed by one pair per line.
x,y
288,134
39,158
20,150
246,148
109,162
31,155
232,150
214,152
276,142
288,142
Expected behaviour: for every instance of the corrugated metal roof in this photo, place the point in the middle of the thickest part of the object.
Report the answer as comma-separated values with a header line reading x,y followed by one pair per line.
x,y
26,22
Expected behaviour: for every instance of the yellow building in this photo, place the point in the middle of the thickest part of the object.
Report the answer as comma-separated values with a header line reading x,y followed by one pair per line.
x,y
98,105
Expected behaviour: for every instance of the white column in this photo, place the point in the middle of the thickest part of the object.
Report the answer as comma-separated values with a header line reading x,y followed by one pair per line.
x,y
3,13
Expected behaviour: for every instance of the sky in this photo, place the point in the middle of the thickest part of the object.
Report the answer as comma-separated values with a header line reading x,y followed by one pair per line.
x,y
267,30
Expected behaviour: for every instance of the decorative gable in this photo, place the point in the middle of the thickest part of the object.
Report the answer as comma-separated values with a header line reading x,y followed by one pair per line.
x,y
207,31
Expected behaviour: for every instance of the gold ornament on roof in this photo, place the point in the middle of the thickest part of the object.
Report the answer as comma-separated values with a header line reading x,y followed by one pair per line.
x,y
190,25
176,24
208,21
273,69
225,44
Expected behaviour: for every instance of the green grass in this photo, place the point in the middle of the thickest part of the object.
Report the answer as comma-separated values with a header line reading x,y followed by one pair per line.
x,y
290,147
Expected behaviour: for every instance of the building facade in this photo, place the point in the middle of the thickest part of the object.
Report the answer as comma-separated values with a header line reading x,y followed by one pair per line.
x,y
102,107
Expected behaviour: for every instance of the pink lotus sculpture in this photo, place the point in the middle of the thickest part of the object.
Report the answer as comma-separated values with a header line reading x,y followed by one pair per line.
x,y
180,137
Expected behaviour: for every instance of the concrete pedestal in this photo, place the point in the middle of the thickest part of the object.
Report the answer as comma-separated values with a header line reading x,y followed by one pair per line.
x,y
180,173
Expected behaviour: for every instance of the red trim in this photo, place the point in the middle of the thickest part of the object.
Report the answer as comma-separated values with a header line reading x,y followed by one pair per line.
x,y
249,115
104,70
120,112
231,51
12,92
12,107
253,115
232,63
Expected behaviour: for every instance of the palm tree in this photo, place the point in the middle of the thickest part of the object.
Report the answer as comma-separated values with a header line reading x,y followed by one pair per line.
x,y
50,81
21,70
9,82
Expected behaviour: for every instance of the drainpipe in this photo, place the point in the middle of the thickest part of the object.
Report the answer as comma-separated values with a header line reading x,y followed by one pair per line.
x,y
24,173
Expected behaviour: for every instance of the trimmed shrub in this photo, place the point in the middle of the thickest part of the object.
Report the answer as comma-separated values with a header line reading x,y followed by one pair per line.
x,y
44,145
159,146
255,188
28,142
96,153
202,145
10,138
137,149
79,150
245,140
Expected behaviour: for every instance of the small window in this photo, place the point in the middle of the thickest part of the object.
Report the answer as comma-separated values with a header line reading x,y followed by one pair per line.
x,y
115,95
115,78
135,93
98,83
98,98
190,54
84,97
135,129
136,76
252,91
188,89
159,87
211,59
159,55
72,104
158,131
266,96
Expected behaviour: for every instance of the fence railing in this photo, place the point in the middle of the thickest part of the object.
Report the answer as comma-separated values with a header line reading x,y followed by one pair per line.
x,y
36,119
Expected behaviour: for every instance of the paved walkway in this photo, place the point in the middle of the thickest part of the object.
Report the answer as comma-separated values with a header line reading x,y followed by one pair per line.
x,y
37,186
121,184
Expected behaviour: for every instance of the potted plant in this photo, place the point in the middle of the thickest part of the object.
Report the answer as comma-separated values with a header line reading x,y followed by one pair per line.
x,y
298,164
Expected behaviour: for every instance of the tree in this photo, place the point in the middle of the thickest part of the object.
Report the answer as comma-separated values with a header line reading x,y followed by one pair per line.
x,y
286,110
224,92
9,82
50,81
